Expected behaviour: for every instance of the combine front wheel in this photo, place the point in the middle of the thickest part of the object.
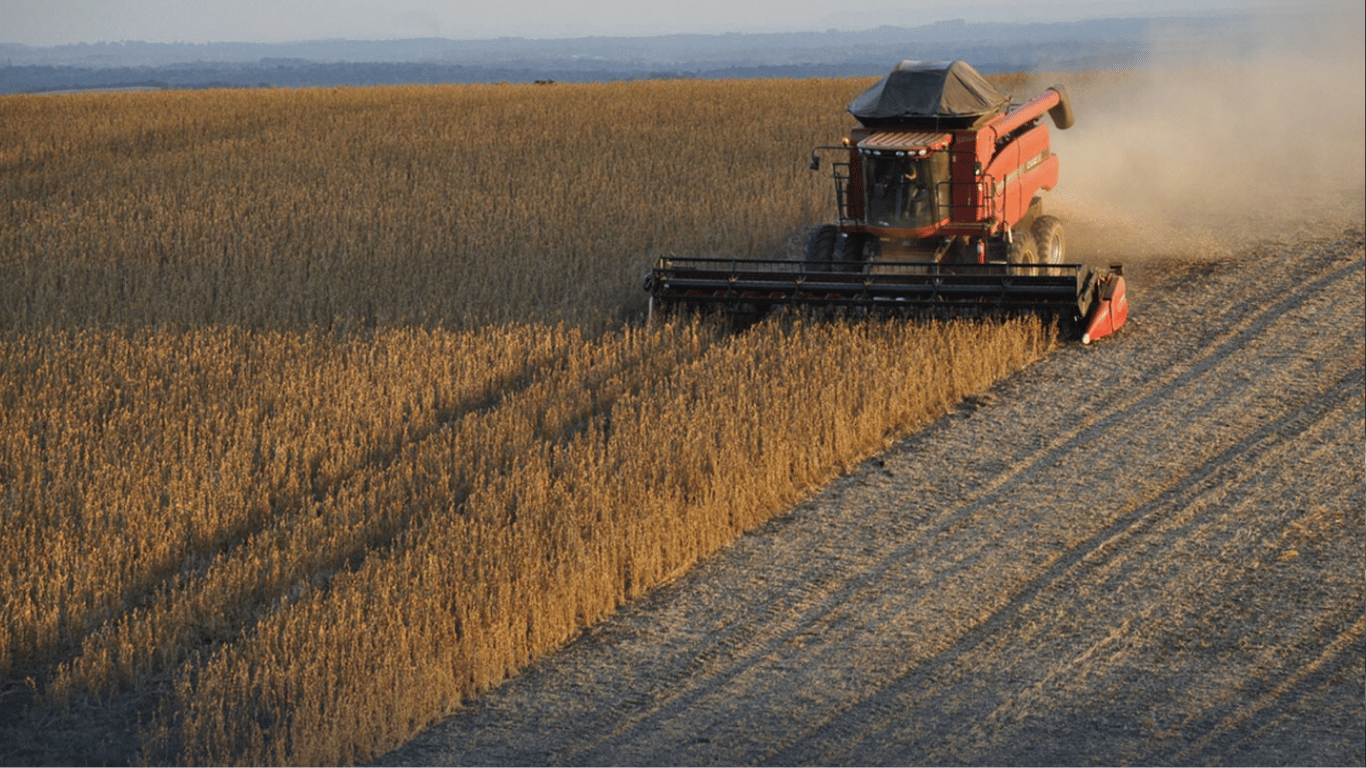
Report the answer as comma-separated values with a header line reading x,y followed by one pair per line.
x,y
1023,249
855,250
820,247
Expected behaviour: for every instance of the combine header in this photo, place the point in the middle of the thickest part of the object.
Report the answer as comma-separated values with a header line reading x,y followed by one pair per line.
x,y
938,192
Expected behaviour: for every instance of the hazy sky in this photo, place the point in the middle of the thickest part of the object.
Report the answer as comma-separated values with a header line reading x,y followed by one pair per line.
x,y
56,22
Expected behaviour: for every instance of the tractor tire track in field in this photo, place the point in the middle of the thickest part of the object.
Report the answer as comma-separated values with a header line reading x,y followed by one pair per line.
x,y
1146,551
875,721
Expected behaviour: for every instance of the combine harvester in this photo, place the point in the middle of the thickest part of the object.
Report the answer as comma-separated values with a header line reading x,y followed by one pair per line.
x,y
939,214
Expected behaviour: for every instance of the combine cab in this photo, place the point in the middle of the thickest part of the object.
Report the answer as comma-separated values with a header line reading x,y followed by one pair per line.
x,y
938,193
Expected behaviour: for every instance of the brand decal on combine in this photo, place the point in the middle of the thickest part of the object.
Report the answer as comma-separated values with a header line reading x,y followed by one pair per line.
x,y
1029,165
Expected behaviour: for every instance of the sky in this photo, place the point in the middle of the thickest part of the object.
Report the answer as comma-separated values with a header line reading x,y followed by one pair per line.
x,y
61,22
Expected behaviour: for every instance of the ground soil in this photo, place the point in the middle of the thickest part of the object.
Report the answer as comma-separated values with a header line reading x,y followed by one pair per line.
x,y
1149,550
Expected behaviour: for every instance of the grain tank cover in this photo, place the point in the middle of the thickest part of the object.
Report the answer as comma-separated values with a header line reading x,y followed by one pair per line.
x,y
929,94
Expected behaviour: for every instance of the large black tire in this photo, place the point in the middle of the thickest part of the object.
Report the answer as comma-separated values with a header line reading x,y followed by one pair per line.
x,y
1049,240
820,247
1023,250
854,249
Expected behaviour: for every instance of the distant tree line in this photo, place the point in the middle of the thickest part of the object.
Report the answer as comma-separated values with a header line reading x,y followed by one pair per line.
x,y
297,74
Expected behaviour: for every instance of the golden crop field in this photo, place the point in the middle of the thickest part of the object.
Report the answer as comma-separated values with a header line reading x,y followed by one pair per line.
x,y
323,410
392,205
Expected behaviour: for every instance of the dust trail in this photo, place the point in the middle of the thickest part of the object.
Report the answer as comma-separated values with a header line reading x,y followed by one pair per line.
x,y
1258,134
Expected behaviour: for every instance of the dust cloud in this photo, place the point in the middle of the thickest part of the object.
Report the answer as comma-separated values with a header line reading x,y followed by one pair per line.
x,y
1211,145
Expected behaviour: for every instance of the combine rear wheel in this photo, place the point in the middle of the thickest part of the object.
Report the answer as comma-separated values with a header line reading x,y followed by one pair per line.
x,y
1048,237
820,247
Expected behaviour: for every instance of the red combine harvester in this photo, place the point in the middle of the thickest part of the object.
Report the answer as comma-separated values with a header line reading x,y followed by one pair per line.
x,y
938,192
